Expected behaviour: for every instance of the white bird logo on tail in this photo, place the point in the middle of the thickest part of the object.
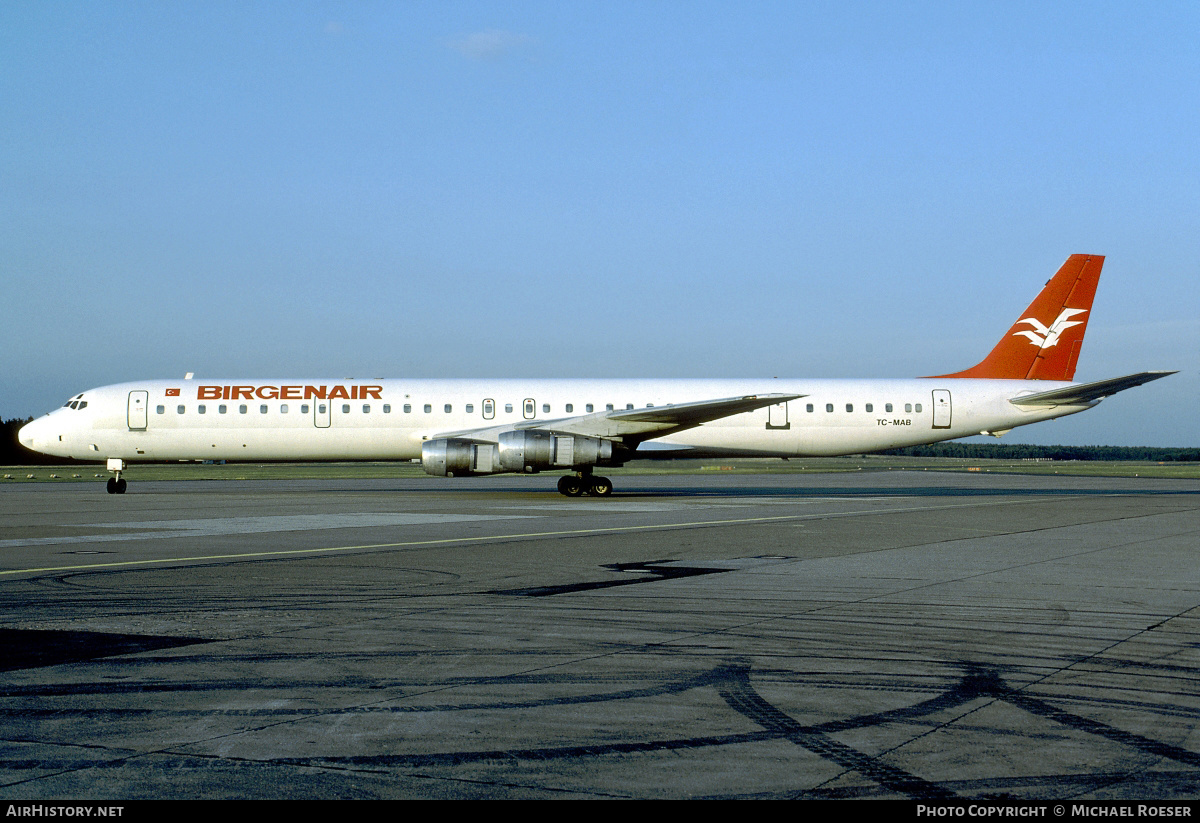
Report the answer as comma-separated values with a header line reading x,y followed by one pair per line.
x,y
1046,336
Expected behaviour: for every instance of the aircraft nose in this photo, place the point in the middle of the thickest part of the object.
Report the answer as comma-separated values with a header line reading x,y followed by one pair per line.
x,y
29,433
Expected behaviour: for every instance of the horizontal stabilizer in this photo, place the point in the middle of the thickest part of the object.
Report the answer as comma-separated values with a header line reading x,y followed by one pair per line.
x,y
1087,392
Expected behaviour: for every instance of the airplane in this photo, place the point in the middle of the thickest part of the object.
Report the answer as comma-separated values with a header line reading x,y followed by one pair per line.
x,y
478,427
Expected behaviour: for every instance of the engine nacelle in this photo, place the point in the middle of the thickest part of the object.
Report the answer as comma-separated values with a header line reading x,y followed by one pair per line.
x,y
454,457
538,449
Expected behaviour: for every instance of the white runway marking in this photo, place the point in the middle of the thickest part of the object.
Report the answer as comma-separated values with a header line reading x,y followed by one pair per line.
x,y
601,506
155,529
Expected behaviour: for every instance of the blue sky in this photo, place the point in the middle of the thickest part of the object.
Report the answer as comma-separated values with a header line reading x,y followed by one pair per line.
x,y
595,189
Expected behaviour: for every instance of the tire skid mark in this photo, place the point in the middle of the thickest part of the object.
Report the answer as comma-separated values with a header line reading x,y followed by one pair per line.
x,y
741,696
732,682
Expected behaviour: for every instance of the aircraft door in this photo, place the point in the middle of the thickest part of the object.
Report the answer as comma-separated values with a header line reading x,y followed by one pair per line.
x,y
777,416
529,408
321,410
941,409
136,410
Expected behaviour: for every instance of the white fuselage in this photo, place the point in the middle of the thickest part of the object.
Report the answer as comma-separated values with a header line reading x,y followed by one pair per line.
x,y
389,419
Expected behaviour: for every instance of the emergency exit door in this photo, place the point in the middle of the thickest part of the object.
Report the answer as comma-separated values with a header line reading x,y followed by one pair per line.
x,y
777,416
321,413
941,409
135,413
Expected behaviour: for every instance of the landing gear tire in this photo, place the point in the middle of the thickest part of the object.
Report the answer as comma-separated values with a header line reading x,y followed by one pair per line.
x,y
573,485
600,487
116,485
570,485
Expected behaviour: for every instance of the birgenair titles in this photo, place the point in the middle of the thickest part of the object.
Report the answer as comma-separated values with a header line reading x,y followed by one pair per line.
x,y
576,426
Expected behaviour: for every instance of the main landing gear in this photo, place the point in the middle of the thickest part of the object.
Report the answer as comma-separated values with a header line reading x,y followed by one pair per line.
x,y
116,484
573,485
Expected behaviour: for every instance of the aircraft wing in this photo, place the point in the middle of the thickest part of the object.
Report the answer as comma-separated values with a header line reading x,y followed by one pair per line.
x,y
1082,393
635,425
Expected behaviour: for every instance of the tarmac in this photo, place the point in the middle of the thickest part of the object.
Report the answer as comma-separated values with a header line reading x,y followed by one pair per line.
x,y
909,635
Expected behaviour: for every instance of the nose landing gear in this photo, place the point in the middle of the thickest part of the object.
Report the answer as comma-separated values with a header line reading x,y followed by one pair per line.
x,y
116,484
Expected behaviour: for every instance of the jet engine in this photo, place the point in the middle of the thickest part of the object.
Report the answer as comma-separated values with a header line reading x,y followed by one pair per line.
x,y
531,450
455,457
527,450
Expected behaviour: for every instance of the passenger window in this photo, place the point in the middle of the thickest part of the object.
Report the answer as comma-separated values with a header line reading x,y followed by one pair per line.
x,y
428,408
570,408
262,409
345,408
887,407
202,408
283,408
809,407
242,409
366,408
918,408
161,409
304,409
545,408
828,407
849,407
320,408
470,408
870,407
609,407
629,405
179,409
387,408
908,408
447,408
589,408
508,408
408,408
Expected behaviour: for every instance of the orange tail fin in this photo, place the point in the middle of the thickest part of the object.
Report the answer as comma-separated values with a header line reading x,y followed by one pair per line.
x,y
1044,344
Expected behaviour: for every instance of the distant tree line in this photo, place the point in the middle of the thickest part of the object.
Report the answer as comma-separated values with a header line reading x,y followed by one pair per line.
x,y
12,453
1018,451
